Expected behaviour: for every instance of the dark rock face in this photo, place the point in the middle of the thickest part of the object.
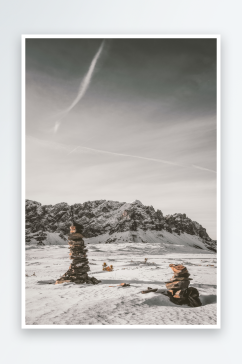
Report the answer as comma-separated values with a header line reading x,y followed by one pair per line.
x,y
101,216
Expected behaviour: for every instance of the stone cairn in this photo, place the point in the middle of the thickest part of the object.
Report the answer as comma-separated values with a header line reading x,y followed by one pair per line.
x,y
79,267
178,288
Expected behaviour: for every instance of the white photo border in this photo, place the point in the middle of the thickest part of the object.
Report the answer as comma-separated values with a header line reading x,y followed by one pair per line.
x,y
218,117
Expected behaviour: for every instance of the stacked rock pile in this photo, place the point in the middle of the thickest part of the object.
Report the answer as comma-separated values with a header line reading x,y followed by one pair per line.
x,y
79,267
178,287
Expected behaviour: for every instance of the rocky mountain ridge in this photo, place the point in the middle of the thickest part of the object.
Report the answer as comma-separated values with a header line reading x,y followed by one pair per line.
x,y
109,218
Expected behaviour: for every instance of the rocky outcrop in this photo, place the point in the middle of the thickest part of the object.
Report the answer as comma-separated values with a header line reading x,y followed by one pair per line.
x,y
102,217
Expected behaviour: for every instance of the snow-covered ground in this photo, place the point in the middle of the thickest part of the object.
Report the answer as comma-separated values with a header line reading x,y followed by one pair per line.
x,y
109,304
165,241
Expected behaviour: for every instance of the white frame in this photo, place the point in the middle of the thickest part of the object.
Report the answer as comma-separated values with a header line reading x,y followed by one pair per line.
x,y
102,36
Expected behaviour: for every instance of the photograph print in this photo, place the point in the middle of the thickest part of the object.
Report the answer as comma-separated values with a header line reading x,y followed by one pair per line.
x,y
121,176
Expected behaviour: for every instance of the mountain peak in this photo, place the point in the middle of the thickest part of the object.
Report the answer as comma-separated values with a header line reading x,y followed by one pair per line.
x,y
137,202
111,217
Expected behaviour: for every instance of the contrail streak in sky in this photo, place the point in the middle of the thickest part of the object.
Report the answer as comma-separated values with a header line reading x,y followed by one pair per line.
x,y
132,156
83,87
73,150
78,148
143,158
204,169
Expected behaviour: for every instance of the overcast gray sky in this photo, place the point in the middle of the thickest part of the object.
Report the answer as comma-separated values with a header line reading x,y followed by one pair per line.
x,y
144,129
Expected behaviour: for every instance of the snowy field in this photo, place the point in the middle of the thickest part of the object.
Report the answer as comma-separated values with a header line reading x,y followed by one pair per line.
x,y
71,304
